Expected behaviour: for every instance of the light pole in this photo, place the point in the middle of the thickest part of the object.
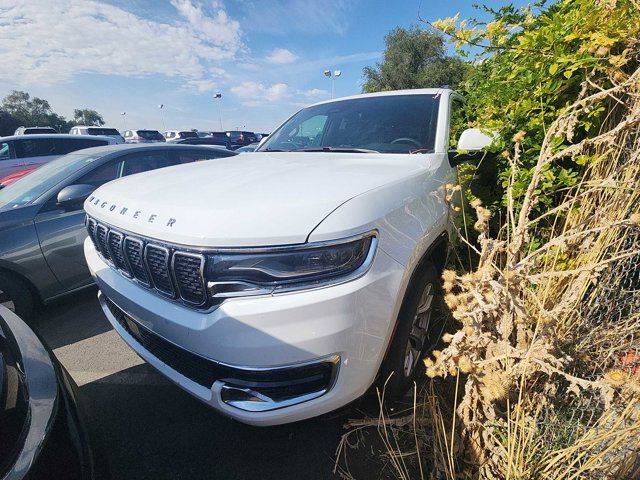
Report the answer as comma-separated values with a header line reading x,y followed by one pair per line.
x,y
164,127
218,96
124,121
332,75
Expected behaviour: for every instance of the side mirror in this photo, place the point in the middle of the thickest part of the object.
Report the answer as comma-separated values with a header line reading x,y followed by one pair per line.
x,y
74,195
471,146
472,139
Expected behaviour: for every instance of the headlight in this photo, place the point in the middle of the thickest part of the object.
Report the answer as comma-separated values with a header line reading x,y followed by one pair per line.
x,y
263,271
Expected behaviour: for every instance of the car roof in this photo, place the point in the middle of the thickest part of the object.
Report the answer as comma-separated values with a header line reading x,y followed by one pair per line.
x,y
94,126
130,147
54,135
391,93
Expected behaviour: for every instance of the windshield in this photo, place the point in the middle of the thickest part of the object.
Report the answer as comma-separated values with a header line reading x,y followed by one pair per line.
x,y
150,135
389,124
30,187
103,131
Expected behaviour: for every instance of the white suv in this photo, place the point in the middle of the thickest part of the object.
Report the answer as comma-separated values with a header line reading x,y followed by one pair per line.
x,y
177,135
278,286
102,131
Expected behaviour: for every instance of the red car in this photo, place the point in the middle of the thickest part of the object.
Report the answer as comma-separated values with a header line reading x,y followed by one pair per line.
x,y
9,179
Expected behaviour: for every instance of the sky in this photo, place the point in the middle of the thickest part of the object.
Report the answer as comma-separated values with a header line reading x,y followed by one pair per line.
x,y
266,57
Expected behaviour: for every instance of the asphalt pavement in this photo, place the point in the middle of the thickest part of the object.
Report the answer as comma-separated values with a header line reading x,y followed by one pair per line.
x,y
148,428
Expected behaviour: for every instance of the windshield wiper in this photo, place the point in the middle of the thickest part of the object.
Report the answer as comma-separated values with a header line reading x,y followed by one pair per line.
x,y
336,149
273,150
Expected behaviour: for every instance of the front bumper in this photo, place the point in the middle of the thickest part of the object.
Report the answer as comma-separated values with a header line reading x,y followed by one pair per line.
x,y
334,336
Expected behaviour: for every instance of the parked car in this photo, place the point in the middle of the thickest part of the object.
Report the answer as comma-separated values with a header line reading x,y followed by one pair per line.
x,y
280,285
248,148
42,222
203,134
43,432
143,136
9,179
216,140
175,135
241,138
34,130
21,151
102,131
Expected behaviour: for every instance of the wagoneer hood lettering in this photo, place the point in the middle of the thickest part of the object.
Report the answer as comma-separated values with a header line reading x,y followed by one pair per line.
x,y
236,201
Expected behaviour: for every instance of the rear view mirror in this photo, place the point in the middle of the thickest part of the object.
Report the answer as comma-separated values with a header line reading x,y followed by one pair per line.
x,y
471,146
74,195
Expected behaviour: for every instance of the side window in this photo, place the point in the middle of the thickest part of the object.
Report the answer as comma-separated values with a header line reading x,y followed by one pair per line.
x,y
96,177
5,151
457,122
34,147
68,145
101,175
143,162
190,157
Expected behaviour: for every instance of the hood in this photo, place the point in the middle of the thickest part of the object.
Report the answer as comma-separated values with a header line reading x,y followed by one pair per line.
x,y
247,200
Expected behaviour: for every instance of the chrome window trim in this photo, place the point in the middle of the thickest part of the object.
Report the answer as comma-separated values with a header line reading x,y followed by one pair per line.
x,y
167,254
172,271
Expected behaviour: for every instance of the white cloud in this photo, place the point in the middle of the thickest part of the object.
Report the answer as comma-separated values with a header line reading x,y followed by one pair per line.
x,y
281,56
48,42
308,17
255,93
314,92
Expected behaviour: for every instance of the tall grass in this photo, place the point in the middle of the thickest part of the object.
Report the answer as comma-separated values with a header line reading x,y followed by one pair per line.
x,y
543,365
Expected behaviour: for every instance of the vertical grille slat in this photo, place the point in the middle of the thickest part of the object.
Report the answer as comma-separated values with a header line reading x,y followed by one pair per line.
x,y
157,260
133,252
169,271
187,269
114,241
101,240
91,230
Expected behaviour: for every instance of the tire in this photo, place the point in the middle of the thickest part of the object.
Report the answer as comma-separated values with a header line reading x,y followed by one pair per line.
x,y
398,373
16,296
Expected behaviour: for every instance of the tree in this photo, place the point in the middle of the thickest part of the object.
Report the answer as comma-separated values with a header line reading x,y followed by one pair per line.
x,y
88,117
20,109
414,58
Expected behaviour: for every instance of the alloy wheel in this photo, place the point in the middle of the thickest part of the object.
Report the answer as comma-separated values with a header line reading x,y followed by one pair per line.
x,y
419,330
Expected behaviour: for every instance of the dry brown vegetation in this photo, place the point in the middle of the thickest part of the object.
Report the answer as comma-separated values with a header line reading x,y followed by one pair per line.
x,y
540,376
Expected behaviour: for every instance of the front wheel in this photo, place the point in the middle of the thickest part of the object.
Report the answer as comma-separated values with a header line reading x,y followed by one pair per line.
x,y
417,329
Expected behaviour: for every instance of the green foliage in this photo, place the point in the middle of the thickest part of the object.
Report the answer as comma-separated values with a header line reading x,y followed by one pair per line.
x,y
21,109
88,117
530,65
414,58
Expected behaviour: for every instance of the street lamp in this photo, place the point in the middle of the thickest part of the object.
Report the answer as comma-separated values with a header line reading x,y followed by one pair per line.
x,y
332,75
161,106
218,96
124,122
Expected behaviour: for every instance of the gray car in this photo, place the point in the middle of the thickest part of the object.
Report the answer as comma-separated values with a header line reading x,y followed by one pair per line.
x,y
42,220
18,152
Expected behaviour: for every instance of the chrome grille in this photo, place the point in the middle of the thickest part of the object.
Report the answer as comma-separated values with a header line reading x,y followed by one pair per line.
x,y
133,252
101,241
157,260
188,268
114,241
166,269
91,230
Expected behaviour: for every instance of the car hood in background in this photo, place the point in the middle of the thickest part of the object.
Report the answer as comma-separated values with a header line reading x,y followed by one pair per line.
x,y
248,200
